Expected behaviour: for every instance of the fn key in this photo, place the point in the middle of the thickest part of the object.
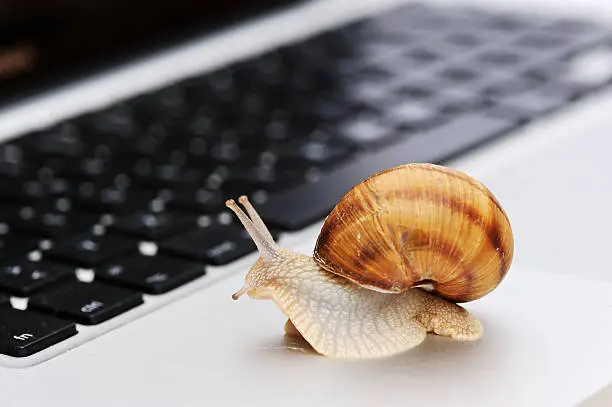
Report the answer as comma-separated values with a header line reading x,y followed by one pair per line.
x,y
23,333
86,303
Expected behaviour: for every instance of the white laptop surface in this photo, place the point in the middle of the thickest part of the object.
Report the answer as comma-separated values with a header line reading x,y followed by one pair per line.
x,y
547,327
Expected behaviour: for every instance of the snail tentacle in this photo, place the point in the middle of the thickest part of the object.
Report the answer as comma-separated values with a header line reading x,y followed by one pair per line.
x,y
255,227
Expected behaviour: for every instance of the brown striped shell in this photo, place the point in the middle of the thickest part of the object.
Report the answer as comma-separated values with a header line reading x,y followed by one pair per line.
x,y
419,225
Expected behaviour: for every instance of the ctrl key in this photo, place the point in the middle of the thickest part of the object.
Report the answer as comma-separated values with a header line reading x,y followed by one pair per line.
x,y
23,333
86,303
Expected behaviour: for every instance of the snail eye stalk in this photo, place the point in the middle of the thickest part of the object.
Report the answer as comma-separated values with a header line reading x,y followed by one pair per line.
x,y
256,228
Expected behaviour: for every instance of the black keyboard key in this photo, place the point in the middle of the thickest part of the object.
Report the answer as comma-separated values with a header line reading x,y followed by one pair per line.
x,y
86,303
573,27
361,95
502,59
306,153
25,191
12,190
197,201
298,207
150,274
326,110
506,112
152,175
410,115
12,161
149,142
217,244
111,199
263,178
458,76
23,333
91,168
25,277
552,72
153,226
12,245
164,105
513,86
551,43
457,100
366,129
4,299
424,56
89,251
114,125
536,102
8,214
52,224
226,151
62,140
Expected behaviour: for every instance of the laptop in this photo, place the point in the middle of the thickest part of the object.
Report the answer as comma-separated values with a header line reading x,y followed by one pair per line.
x,y
125,126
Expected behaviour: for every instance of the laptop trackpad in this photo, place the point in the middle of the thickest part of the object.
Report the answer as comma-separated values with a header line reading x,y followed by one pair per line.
x,y
556,185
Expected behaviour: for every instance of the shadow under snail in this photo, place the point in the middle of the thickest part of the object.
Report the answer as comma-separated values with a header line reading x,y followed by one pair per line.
x,y
392,260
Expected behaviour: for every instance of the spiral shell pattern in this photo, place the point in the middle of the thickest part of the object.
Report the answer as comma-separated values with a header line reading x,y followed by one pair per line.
x,y
419,225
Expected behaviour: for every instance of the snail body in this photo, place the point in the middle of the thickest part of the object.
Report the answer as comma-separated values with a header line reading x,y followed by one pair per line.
x,y
393,259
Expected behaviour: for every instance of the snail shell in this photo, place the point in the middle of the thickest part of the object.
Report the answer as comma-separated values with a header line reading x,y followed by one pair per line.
x,y
419,225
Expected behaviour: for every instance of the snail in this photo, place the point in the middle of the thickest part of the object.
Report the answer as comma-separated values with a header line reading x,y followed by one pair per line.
x,y
392,262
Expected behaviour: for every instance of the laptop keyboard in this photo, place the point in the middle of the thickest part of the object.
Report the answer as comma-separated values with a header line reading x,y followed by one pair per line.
x,y
295,128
